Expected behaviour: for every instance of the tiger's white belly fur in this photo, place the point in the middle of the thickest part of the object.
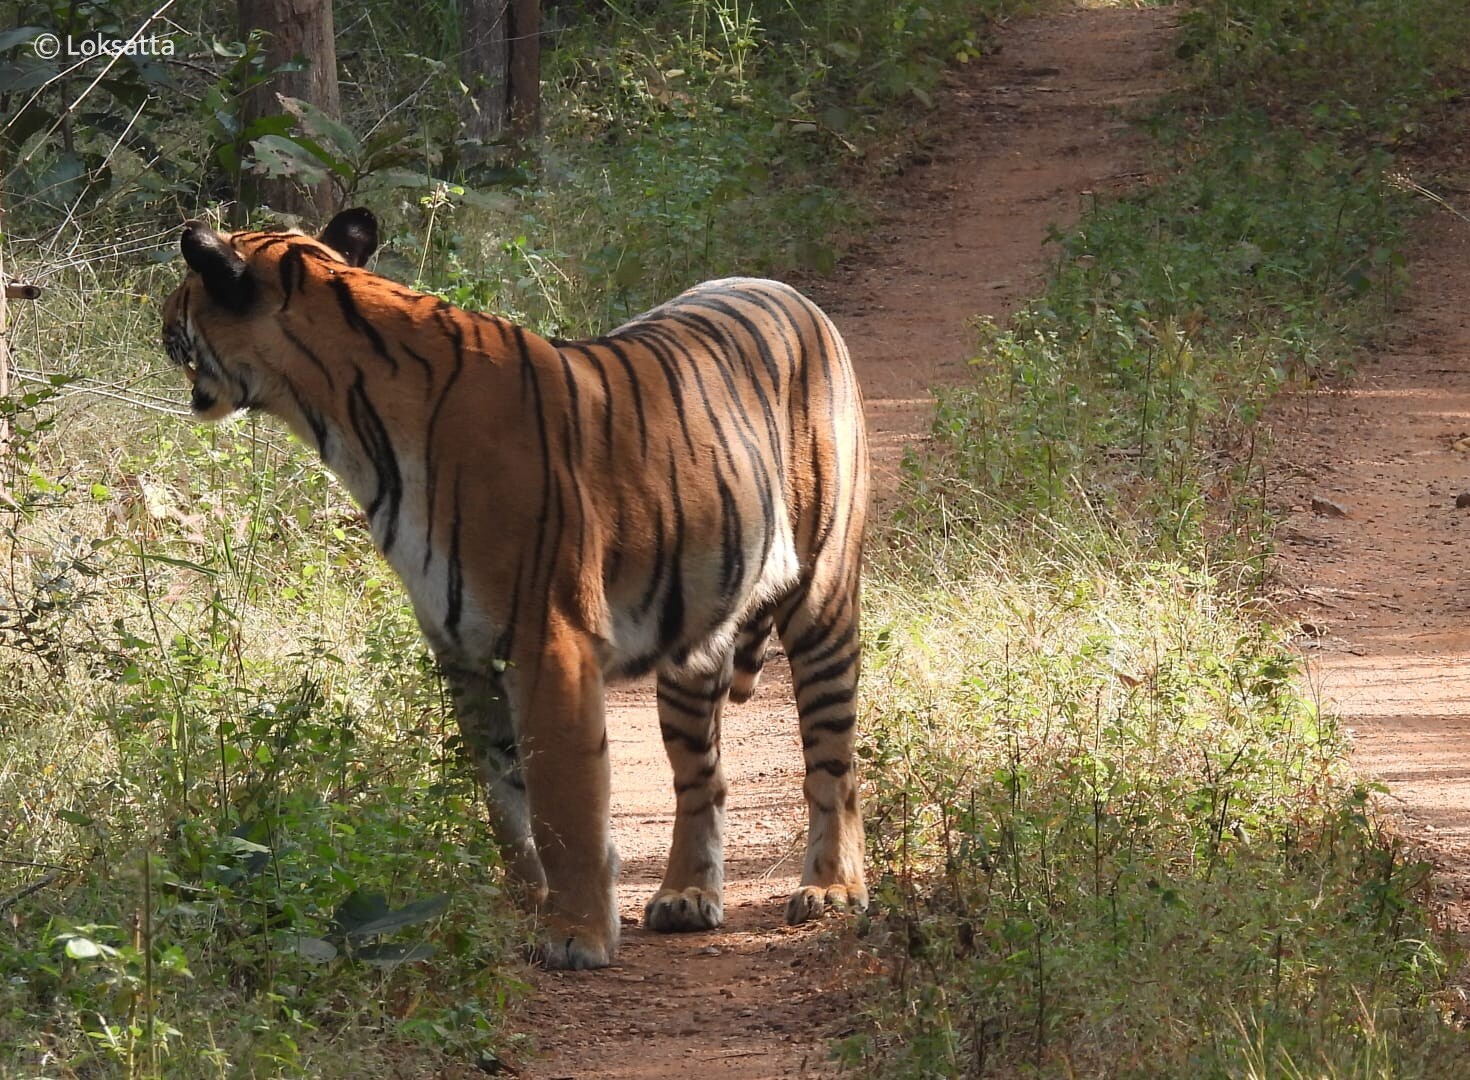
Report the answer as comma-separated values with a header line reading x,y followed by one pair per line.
x,y
710,631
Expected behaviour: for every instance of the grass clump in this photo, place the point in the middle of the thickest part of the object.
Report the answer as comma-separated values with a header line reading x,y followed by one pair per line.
x,y
1374,72
1117,841
1117,837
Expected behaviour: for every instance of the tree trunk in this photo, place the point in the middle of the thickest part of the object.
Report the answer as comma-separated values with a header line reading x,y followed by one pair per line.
x,y
525,70
485,65
501,65
297,28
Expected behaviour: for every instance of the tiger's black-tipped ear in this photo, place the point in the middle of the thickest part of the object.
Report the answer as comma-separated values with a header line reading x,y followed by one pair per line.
x,y
353,234
226,277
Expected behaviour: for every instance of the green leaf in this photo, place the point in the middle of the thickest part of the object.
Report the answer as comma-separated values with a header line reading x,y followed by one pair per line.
x,y
19,36
388,955
82,948
128,90
276,124
332,134
249,858
408,915
75,817
281,156
25,73
403,178
358,909
486,200
173,961
314,949
183,564
22,127
238,845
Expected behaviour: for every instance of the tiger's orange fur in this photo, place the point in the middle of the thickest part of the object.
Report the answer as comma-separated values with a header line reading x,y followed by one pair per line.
x,y
567,513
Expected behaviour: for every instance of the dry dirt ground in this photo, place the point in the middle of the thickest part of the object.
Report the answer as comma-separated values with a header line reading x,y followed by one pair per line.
x,y
1378,578
1024,136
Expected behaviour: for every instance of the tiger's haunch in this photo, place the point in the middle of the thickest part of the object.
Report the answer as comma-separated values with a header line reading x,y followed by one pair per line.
x,y
569,513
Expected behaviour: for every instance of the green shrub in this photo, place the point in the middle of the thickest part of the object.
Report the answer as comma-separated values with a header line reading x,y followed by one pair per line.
x,y
1116,840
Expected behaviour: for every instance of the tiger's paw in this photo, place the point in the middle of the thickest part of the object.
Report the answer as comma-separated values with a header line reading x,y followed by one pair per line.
x,y
811,901
574,950
673,911
567,944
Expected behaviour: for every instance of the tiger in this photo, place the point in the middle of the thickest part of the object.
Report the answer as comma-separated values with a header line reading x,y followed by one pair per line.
x,y
566,514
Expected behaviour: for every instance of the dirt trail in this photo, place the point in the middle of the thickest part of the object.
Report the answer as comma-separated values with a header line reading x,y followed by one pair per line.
x,y
1381,591
1024,135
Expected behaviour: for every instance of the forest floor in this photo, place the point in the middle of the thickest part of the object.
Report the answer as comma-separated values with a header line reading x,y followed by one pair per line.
x,y
1021,140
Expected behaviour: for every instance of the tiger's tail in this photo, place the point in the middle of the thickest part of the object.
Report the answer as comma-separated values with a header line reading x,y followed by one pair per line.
x,y
750,654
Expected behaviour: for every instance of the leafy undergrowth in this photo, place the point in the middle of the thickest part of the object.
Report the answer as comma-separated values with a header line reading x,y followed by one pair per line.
x,y
236,825
1114,836
1115,840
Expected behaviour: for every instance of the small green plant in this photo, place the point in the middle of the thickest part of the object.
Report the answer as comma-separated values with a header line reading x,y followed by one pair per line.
x,y
310,146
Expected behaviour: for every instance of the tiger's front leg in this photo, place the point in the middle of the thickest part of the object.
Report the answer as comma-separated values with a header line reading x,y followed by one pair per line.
x,y
557,698
488,728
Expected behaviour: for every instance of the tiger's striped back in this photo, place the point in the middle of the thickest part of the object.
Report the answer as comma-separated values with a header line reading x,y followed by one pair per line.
x,y
729,432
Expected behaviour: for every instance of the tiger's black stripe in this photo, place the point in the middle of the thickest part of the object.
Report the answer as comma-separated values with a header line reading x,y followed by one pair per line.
x,y
312,357
669,367
635,390
454,577
293,273
431,445
378,447
355,321
314,420
671,617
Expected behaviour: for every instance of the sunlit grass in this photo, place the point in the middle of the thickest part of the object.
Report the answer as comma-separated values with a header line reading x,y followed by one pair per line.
x,y
1116,840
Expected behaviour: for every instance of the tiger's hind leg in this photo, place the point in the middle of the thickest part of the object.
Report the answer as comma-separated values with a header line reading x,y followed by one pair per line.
x,y
488,730
819,628
692,894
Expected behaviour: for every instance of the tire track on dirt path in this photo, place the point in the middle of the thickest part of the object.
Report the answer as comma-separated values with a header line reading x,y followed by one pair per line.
x,y
1020,139
1381,591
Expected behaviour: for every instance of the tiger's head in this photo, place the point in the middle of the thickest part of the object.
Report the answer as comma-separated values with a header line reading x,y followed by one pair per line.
x,y
218,324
